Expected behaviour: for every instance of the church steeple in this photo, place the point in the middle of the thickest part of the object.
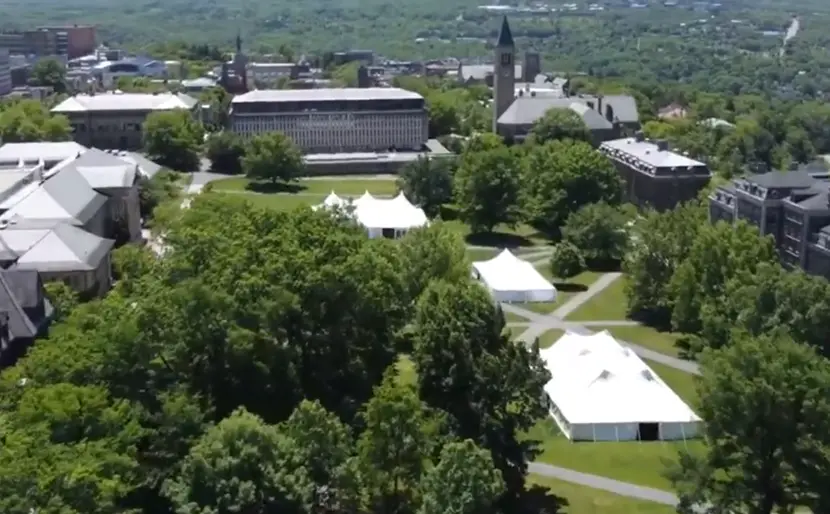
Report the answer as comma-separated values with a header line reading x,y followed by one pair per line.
x,y
239,41
505,36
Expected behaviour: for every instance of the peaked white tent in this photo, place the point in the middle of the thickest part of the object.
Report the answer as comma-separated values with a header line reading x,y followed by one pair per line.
x,y
602,391
332,201
511,279
382,217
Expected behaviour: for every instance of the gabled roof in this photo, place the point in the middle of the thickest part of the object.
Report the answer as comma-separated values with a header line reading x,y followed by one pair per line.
x,y
505,36
100,169
65,248
65,197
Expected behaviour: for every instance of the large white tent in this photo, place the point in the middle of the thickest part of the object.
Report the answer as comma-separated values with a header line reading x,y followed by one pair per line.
x,y
382,217
511,279
602,391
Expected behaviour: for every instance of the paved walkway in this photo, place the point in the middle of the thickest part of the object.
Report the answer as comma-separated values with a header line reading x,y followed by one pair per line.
x,y
605,484
538,324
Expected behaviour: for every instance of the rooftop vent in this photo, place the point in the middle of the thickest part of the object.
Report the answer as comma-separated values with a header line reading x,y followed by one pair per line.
x,y
639,136
662,145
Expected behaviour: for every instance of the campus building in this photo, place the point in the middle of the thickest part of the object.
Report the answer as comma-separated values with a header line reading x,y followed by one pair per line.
x,y
115,120
518,105
5,72
335,120
653,175
791,207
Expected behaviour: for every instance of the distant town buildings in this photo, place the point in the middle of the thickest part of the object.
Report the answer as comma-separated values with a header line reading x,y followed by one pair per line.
x,y
67,42
114,120
336,120
655,176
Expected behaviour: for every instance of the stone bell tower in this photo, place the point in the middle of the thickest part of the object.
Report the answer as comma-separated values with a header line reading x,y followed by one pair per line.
x,y
504,74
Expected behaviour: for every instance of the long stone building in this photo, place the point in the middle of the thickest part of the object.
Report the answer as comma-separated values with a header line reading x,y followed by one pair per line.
x,y
336,120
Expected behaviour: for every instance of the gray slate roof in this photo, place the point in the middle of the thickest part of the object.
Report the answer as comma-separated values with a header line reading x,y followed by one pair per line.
x,y
526,110
101,170
783,180
65,248
64,197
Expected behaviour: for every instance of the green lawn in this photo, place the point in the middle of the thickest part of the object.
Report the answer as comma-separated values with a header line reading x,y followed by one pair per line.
x,y
564,291
550,337
663,342
641,463
610,304
682,383
577,499
343,186
481,254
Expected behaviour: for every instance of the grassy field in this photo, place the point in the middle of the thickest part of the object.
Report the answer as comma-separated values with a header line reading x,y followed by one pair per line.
x,y
682,383
566,498
641,463
550,337
610,304
343,186
564,291
663,342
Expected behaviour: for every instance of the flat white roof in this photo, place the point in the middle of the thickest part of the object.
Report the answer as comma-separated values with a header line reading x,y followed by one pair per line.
x,y
326,95
118,101
32,152
650,154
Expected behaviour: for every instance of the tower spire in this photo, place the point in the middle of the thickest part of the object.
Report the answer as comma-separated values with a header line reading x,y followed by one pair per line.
x,y
505,36
239,41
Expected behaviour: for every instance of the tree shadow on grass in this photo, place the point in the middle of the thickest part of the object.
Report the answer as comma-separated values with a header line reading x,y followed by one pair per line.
x,y
275,187
569,287
498,240
539,500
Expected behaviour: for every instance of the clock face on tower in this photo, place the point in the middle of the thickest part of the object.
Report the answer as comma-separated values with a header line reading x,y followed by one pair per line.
x,y
506,73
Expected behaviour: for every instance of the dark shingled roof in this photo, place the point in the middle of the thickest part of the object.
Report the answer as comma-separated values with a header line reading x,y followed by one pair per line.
x,y
783,180
505,36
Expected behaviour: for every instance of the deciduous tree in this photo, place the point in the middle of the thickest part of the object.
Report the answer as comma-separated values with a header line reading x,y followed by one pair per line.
x,y
30,121
469,368
600,231
566,261
487,188
464,481
560,177
49,72
225,151
765,403
173,139
272,157
427,182
559,124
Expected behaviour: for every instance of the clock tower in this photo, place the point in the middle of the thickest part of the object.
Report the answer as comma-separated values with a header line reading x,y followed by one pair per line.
x,y
504,74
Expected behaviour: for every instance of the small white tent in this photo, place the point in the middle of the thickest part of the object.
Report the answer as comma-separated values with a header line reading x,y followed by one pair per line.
x,y
388,217
602,391
332,201
511,279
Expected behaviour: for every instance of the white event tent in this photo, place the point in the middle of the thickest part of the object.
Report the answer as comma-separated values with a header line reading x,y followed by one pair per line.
x,y
382,217
511,279
602,391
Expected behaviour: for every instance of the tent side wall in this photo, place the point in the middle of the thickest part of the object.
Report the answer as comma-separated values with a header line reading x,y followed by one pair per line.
x,y
679,431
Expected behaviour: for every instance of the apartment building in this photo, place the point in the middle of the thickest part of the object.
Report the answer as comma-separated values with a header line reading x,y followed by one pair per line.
x,y
792,207
335,120
40,42
115,120
654,176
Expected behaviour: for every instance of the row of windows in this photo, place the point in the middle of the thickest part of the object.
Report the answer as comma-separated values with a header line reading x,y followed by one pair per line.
x,y
112,127
328,106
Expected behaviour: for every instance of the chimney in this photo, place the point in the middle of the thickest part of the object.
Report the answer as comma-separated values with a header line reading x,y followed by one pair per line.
x,y
662,145
599,104
639,136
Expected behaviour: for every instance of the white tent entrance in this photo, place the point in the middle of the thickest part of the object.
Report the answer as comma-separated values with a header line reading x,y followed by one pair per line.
x,y
511,279
602,391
